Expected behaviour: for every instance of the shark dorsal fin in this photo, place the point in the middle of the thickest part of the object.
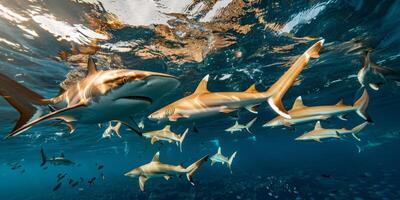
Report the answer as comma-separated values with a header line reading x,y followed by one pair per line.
x,y
252,88
340,102
298,103
167,128
156,157
91,66
366,59
317,125
62,155
202,87
219,150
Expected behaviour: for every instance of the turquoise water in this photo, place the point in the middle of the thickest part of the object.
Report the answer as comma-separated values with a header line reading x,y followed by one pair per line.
x,y
44,43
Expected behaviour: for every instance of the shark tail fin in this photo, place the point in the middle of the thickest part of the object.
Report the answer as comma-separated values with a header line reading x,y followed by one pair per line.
x,y
231,160
357,129
116,128
276,92
361,106
44,159
313,51
249,124
183,136
24,100
193,168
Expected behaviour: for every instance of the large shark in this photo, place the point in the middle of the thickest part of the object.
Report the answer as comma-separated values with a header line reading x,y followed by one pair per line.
x,y
219,158
321,133
374,75
203,103
301,113
157,169
101,96
240,127
166,134
60,160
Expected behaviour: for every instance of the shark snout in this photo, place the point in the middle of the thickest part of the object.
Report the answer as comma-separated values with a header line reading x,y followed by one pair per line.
x,y
133,173
301,138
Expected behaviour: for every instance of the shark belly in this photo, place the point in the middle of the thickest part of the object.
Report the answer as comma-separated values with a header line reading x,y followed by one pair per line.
x,y
106,111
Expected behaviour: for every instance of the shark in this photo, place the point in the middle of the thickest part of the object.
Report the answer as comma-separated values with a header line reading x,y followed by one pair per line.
x,y
219,158
101,96
203,103
110,130
374,75
166,134
301,113
56,160
155,168
321,133
368,146
240,127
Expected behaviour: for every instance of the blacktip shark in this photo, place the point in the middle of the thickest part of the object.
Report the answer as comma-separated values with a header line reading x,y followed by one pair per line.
x,y
321,133
375,76
301,113
203,103
240,127
157,169
219,158
56,160
100,97
166,134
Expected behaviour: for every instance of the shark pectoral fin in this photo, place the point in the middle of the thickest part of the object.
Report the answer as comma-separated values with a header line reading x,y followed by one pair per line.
x,y
374,86
170,141
287,124
142,181
71,127
174,117
227,110
52,115
318,140
252,109
343,117
154,140
356,137
212,162
167,177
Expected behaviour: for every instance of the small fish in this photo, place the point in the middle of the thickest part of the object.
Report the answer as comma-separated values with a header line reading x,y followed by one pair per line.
x,y
75,184
91,181
57,186
326,175
100,167
16,167
60,177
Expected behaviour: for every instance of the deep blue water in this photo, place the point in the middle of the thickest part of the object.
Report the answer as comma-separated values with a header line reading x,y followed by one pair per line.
x,y
270,164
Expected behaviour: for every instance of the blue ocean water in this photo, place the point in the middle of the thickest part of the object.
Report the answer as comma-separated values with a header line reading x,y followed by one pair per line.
x,y
43,43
